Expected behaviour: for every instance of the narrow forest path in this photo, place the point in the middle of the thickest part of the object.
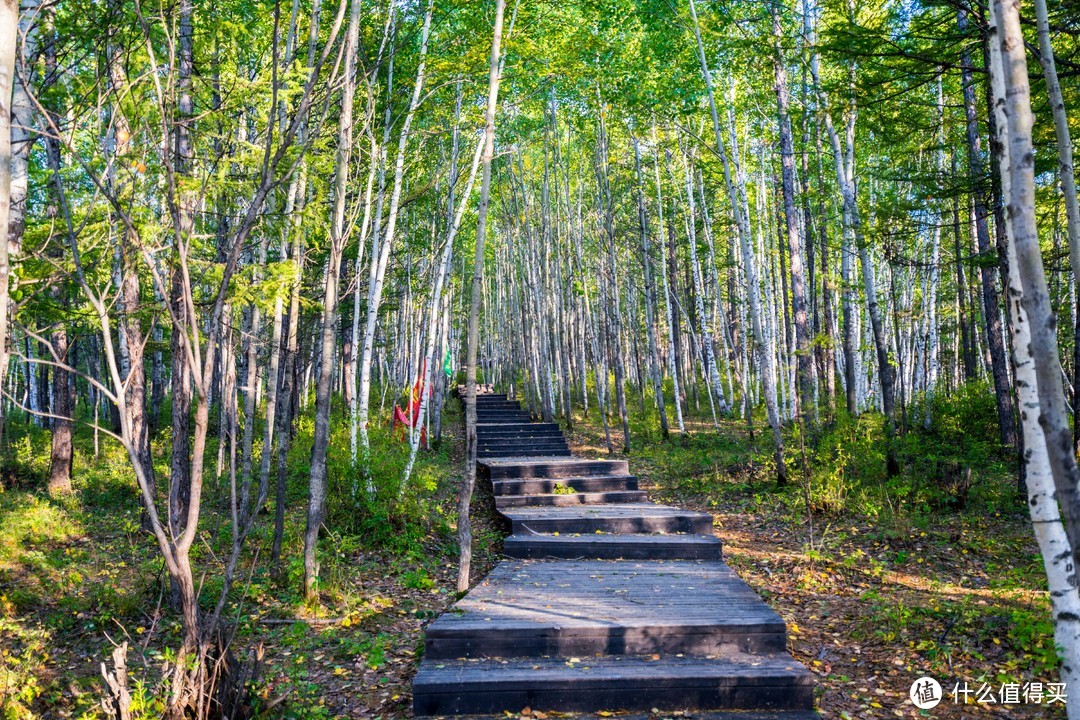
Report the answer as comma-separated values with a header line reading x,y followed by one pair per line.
x,y
607,602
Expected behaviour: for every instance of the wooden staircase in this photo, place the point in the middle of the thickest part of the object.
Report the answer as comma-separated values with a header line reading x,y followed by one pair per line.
x,y
608,602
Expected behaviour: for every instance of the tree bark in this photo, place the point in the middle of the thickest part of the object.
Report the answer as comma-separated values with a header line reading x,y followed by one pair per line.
x,y
180,480
736,189
650,295
612,286
465,496
1013,128
321,440
804,359
991,311
9,32
381,257
63,404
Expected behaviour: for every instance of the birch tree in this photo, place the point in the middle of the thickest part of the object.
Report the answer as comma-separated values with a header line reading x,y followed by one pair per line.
x,y
473,340
1059,557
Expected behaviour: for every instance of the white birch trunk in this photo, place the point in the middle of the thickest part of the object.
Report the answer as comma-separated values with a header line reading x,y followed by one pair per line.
x,y
433,317
706,333
380,260
1050,534
754,289
9,22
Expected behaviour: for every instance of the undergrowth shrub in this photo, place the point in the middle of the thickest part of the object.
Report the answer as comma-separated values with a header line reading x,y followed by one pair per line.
x,y
950,463
401,518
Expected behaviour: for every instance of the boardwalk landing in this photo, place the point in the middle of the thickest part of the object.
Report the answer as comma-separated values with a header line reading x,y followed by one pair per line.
x,y
608,602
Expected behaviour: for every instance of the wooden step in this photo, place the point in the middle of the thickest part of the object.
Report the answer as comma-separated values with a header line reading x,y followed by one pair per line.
x,y
744,682
516,426
481,391
622,518
609,607
592,483
523,436
696,715
543,436
524,468
567,499
613,546
522,440
493,454
521,446
509,428
546,437
515,450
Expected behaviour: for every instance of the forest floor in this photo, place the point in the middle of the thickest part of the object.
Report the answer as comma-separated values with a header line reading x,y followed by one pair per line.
x,y
77,576
879,598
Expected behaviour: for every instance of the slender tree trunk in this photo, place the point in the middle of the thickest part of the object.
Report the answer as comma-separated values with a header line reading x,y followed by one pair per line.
x,y
17,126
63,404
650,294
250,348
804,359
706,332
381,256
1014,121
465,497
63,409
669,315
434,315
288,381
991,311
931,292
612,286
180,479
736,189
1067,178
321,440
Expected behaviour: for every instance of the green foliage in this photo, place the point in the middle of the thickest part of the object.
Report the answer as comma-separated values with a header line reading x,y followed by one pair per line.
x,y
402,519
24,653
24,465
963,436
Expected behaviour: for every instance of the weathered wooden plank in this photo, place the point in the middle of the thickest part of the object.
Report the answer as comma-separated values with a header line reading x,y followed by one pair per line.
x,y
593,483
611,607
523,467
623,683
613,547
622,518
523,443
566,499
503,453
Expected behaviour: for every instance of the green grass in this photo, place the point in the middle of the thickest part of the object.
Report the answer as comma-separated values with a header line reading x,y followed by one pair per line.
x,y
915,568
77,573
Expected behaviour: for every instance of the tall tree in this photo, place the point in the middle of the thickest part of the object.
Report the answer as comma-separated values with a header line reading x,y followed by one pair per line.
x,y
991,308
473,341
799,303
736,190
1057,543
